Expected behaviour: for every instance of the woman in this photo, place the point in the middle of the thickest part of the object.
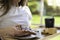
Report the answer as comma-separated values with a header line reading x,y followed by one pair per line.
x,y
11,17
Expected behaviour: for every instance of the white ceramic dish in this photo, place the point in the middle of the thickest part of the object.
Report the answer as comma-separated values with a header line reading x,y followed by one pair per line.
x,y
27,37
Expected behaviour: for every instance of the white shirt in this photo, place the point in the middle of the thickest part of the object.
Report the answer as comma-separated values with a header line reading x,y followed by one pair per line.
x,y
16,15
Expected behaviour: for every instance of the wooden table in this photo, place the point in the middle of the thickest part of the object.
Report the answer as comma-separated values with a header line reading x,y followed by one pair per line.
x,y
42,37
50,37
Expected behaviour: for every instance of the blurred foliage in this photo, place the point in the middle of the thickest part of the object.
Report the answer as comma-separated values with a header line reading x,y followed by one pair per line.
x,y
34,7
33,4
50,10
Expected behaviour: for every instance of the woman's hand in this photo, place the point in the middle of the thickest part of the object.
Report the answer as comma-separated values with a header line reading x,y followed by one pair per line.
x,y
22,33
17,31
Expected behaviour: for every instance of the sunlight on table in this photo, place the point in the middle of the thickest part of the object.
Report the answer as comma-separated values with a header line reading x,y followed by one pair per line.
x,y
56,38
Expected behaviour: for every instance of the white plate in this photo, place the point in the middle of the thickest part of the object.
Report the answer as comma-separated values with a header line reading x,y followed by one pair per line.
x,y
27,37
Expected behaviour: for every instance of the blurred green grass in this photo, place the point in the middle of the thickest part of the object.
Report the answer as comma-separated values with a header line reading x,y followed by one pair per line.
x,y
36,19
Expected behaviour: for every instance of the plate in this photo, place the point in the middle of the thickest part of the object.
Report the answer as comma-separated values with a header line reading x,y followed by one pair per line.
x,y
27,37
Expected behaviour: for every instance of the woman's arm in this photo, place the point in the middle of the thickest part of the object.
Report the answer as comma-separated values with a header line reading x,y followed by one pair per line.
x,y
27,10
17,31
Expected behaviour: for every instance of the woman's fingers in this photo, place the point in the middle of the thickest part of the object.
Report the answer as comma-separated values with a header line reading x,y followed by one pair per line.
x,y
25,31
